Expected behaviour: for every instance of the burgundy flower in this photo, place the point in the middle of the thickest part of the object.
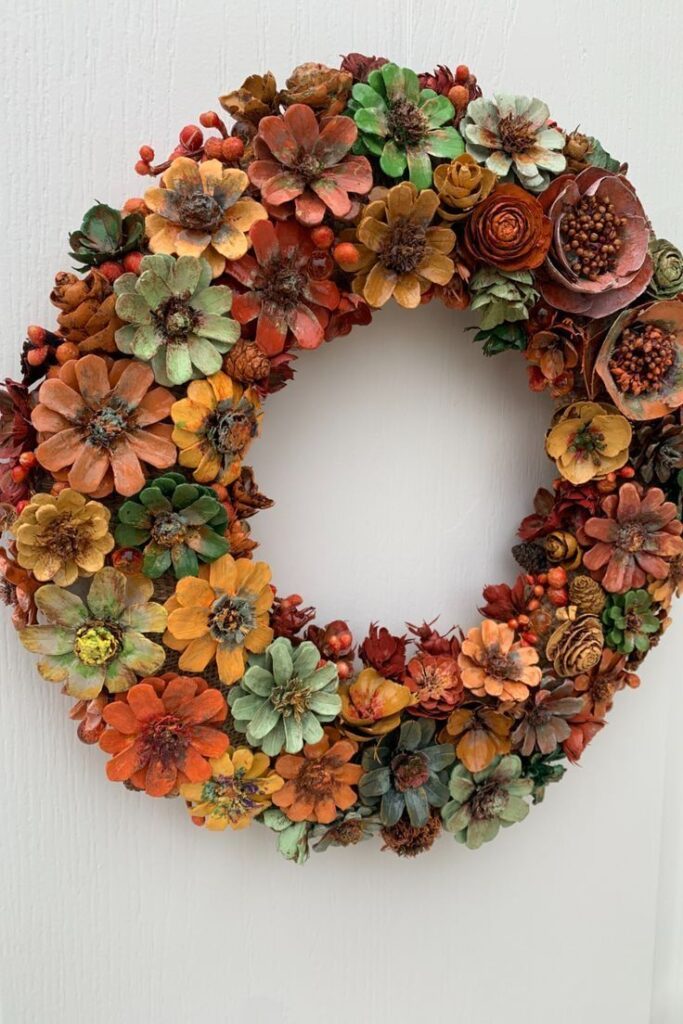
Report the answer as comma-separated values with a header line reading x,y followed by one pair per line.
x,y
384,652
17,435
599,260
567,509
282,291
430,641
296,160
352,310
635,536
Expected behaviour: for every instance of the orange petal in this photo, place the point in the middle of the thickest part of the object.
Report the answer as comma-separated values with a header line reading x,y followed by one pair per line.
x,y
198,654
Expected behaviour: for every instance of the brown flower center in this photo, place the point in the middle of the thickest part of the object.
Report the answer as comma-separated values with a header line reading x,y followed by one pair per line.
x,y
591,233
282,283
410,771
175,318
642,359
407,124
165,739
235,796
501,666
347,833
404,248
308,167
315,779
168,529
631,537
488,801
199,212
229,429
104,426
516,133
230,619
62,536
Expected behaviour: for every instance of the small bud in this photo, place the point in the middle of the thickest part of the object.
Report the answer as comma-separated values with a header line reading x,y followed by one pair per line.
x,y
110,270
459,96
209,119
135,205
191,138
213,148
462,74
142,168
347,256
232,149
322,237
131,262
36,356
146,154
36,335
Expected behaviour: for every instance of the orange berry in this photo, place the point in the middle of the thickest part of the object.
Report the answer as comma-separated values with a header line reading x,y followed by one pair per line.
x,y
110,270
146,154
512,623
459,96
232,149
209,119
538,590
533,605
557,577
213,148
131,262
19,474
322,237
28,460
558,598
347,256
142,168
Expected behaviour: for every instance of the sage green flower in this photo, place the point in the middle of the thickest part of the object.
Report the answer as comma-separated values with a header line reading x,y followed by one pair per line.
x,y
284,696
631,622
483,801
98,643
176,319
105,234
292,836
502,297
667,272
402,124
177,524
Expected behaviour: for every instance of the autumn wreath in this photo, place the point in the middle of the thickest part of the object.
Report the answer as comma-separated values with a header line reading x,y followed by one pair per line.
x,y
126,500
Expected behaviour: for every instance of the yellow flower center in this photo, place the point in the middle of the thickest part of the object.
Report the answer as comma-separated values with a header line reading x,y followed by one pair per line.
x,y
96,644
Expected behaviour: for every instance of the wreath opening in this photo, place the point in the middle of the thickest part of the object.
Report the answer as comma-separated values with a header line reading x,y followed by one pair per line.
x,y
127,500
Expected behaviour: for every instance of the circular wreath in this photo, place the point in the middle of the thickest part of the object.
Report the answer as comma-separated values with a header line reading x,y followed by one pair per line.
x,y
129,561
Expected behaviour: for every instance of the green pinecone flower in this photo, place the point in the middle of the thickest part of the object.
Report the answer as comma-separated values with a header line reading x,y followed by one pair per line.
x,y
106,235
406,771
284,696
630,622
176,524
402,124
292,836
505,337
667,273
502,297
350,828
175,318
483,801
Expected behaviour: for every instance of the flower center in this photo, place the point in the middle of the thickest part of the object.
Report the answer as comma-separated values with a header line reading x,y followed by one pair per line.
x,y
283,283
291,698
230,619
199,212
315,778
229,429
175,318
410,771
96,643
234,796
642,359
103,427
488,801
347,833
404,248
434,681
631,537
308,167
168,529
500,666
588,443
63,537
165,739
591,234
407,124
516,133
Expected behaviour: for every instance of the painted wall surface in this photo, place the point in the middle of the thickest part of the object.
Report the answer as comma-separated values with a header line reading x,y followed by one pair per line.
x,y
402,461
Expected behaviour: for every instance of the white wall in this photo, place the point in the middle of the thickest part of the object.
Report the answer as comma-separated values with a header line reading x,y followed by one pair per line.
x,y
402,461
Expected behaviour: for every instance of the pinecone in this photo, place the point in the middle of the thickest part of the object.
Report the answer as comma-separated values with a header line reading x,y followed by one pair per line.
x,y
408,840
531,557
88,317
246,362
587,594
657,449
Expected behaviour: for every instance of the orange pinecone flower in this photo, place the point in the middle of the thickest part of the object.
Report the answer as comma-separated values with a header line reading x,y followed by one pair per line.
x,y
318,783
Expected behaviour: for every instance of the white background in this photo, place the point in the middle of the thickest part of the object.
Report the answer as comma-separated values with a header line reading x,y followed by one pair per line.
x,y
402,462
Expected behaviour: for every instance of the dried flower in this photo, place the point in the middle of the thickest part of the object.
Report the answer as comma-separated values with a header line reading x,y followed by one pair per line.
x,y
543,723
201,211
371,705
605,679
384,652
101,421
479,734
553,354
105,235
435,681
631,622
481,802
588,441
87,316
667,270
461,185
359,66
161,733
502,298
256,98
17,436
240,788
320,782
17,590
408,840
494,663
508,230
576,645
324,89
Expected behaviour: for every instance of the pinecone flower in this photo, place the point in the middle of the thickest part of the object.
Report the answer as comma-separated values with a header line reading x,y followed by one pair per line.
x,y
245,497
399,253
288,618
17,436
240,788
479,734
384,652
98,422
576,645
162,731
657,450
543,721
599,685
246,363
371,705
284,697
637,535
177,524
201,211
631,622
512,136
359,66
61,538
435,681
493,663
297,161
502,298
98,643
553,354
667,272
288,302
325,90
589,440
408,840
405,774
256,98
461,185
482,802
87,316
348,829
105,235
318,783
174,319
403,125
17,590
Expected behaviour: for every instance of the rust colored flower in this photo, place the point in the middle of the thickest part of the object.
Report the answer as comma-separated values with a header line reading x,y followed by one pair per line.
x,y
288,617
298,161
319,783
324,89
435,681
508,230
372,705
384,652
87,316
359,66
479,734
461,185
88,714
160,733
201,211
553,355
282,292
636,536
595,276
17,436
604,680
664,591
245,497
567,509
351,311
492,663
641,360
584,727
98,422
543,723
17,587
